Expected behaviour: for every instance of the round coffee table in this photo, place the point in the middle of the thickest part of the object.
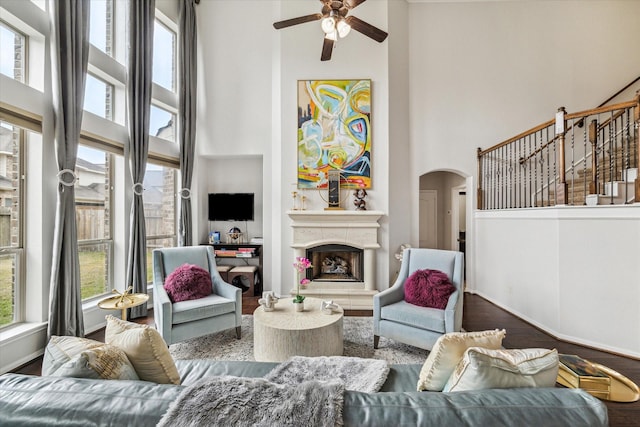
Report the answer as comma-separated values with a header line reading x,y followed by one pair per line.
x,y
283,332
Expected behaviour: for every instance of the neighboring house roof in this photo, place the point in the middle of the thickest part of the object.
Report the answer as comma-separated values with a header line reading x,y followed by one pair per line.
x,y
86,165
89,193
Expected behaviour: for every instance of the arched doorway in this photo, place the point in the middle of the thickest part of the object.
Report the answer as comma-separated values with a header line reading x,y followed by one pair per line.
x,y
443,210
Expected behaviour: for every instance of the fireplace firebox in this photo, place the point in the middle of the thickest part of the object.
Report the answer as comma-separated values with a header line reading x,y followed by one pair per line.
x,y
335,263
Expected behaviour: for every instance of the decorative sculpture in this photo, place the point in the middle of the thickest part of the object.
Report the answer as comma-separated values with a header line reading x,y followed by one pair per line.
x,y
327,307
268,301
359,202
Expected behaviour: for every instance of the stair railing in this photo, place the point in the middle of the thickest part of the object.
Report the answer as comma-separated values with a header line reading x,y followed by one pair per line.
x,y
562,161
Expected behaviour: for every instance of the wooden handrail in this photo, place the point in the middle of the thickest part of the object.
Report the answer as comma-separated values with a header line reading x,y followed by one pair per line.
x,y
619,92
581,115
600,110
523,189
515,138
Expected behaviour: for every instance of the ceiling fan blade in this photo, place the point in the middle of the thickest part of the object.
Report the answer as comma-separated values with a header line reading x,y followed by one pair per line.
x,y
367,29
327,49
352,4
296,21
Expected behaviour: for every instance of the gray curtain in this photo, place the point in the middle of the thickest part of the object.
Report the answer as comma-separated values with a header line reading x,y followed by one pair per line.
x,y
141,21
69,58
187,76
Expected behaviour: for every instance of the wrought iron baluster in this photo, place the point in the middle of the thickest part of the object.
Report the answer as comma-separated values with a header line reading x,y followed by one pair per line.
x,y
611,156
585,131
626,148
548,168
573,175
555,171
530,204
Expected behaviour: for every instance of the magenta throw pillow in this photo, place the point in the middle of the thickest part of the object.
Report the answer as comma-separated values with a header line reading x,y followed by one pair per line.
x,y
428,288
188,282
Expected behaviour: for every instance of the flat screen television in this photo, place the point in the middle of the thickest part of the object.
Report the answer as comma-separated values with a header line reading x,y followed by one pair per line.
x,y
231,206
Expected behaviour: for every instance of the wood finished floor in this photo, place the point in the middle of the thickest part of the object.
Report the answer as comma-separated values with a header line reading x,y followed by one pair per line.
x,y
480,314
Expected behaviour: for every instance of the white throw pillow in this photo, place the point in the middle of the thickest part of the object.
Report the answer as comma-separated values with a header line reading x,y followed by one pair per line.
x,y
482,368
67,356
448,351
145,348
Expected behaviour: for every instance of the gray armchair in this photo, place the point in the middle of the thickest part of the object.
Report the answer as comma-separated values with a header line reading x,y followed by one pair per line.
x,y
395,318
188,319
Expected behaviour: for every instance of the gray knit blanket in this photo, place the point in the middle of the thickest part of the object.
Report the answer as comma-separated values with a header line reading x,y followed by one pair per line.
x,y
234,401
357,374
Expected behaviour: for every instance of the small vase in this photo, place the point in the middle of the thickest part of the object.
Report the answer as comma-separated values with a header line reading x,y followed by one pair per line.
x,y
299,306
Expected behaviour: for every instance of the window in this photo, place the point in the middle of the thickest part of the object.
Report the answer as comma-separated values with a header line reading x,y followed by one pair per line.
x,y
11,201
164,56
162,123
12,53
101,25
93,219
98,98
159,210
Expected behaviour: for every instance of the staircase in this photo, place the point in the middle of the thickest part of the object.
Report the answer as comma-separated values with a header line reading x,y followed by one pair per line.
x,y
615,184
585,158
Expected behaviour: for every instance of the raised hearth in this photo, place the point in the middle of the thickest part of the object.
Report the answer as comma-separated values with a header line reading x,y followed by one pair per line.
x,y
343,233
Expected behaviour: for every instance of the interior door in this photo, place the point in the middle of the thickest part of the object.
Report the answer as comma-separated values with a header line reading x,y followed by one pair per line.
x,y
429,219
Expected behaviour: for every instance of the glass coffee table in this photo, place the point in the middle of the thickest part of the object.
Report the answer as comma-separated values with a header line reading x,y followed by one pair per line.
x,y
283,332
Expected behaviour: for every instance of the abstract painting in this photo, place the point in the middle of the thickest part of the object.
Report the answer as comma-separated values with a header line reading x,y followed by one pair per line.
x,y
334,132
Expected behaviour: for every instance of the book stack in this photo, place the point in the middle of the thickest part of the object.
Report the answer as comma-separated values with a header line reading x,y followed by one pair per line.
x,y
225,252
245,252
576,372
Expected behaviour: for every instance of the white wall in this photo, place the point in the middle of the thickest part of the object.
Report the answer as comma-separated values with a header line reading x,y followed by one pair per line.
x,y
561,270
485,71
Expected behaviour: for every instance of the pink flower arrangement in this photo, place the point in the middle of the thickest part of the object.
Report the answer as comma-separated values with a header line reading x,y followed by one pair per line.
x,y
301,266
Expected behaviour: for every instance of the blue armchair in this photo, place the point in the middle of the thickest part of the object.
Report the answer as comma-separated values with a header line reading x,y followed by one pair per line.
x,y
399,320
188,319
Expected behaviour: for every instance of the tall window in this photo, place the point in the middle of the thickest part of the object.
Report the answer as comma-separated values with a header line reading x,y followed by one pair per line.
x,y
164,56
12,53
101,25
162,123
98,97
159,210
93,217
12,140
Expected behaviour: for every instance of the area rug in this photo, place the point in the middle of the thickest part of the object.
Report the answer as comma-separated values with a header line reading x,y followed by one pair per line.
x,y
358,342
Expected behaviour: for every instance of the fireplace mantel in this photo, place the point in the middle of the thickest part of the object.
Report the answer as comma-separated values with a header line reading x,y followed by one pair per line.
x,y
353,228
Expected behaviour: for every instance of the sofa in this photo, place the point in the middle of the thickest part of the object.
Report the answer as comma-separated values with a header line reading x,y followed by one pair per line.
x,y
50,401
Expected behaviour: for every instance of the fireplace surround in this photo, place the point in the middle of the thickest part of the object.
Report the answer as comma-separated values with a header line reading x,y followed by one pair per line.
x,y
345,244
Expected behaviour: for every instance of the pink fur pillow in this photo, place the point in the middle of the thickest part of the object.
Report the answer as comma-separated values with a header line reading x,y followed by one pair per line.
x,y
428,288
188,282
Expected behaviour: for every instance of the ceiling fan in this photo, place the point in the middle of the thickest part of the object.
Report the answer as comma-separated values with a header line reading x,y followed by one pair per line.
x,y
336,24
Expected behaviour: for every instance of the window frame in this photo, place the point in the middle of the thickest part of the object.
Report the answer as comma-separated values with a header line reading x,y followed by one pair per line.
x,y
18,251
25,53
109,241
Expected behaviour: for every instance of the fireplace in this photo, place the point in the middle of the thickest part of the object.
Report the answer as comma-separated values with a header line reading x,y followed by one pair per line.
x,y
342,247
335,263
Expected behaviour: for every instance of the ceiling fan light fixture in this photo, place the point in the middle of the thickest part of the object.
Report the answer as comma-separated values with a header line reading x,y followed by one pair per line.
x,y
333,35
343,28
328,24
